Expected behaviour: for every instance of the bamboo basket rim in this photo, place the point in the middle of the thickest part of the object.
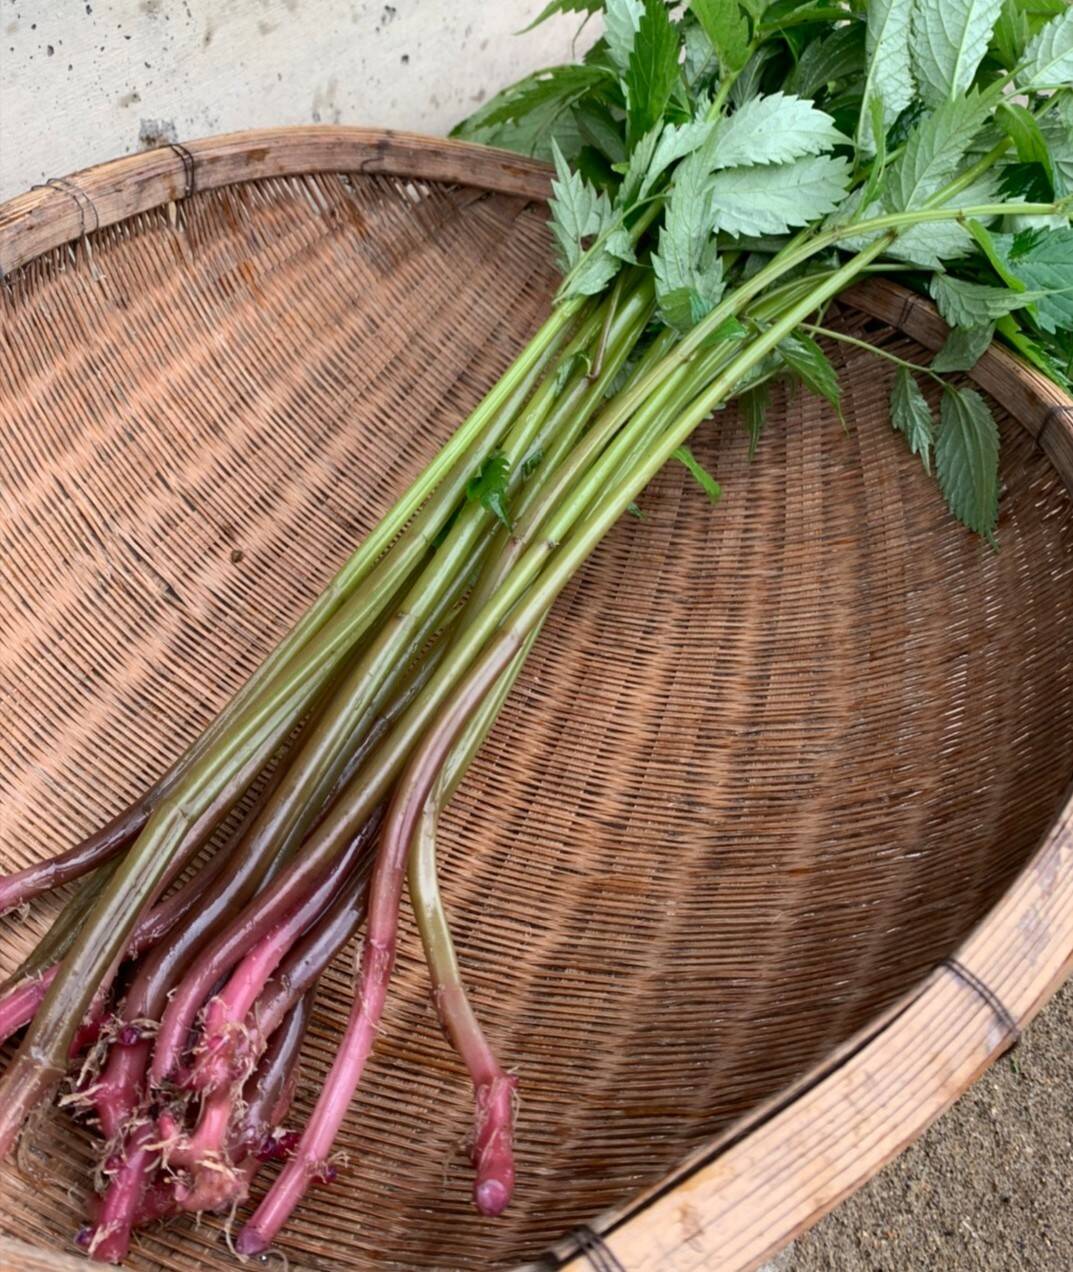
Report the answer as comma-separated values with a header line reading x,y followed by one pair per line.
x,y
723,1205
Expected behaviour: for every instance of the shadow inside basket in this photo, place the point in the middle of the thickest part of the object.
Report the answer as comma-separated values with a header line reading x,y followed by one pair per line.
x,y
767,765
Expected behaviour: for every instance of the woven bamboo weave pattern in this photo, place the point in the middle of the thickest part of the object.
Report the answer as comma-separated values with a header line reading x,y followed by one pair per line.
x,y
768,764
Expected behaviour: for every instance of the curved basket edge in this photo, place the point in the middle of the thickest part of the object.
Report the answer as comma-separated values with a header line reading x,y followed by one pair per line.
x,y
728,1200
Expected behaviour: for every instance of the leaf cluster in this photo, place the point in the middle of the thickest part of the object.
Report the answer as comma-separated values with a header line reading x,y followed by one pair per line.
x,y
701,140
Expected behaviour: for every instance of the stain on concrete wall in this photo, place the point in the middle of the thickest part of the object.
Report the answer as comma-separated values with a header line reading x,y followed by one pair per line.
x,y
86,80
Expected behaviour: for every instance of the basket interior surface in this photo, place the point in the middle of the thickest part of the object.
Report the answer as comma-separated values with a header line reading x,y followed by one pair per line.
x,y
768,763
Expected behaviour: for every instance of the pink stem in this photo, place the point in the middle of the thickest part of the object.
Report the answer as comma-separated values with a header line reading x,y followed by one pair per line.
x,y
120,1088
226,1051
122,1081
158,1201
269,1091
17,1008
378,956
301,969
23,885
18,1005
493,1134
110,1238
90,1029
258,918
214,1180
267,1098
118,1091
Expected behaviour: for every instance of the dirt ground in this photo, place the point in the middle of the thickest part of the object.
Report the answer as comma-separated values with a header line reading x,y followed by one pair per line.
x,y
987,1189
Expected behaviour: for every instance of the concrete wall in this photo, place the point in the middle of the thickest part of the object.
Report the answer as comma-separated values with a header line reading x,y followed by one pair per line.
x,y
82,81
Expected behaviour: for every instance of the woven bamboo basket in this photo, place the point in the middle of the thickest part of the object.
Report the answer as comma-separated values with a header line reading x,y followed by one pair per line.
x,y
748,903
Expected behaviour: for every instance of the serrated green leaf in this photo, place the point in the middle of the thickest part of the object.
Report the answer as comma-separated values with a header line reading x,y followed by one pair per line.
x,y
700,64
753,404
935,149
619,244
836,57
638,166
911,416
879,151
948,42
728,329
677,141
488,486
679,307
727,28
934,243
889,79
578,211
560,84
652,69
1058,134
964,304
805,357
686,230
985,241
546,123
1012,33
564,6
1048,60
589,278
774,129
656,152
700,474
689,272
1030,348
966,460
777,197
600,129
1021,127
1044,264
930,243
621,20
750,78
964,347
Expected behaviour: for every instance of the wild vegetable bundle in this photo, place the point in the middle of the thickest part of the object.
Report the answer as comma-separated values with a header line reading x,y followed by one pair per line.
x,y
724,169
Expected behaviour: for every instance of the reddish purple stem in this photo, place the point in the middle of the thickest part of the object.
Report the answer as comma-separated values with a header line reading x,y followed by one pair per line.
x,y
17,1008
258,918
301,969
23,885
270,1089
222,1164
377,962
229,1043
120,1205
18,1005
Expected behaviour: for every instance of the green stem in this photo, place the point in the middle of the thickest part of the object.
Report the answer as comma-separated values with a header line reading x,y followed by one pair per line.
x,y
843,338
212,784
601,345
965,179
